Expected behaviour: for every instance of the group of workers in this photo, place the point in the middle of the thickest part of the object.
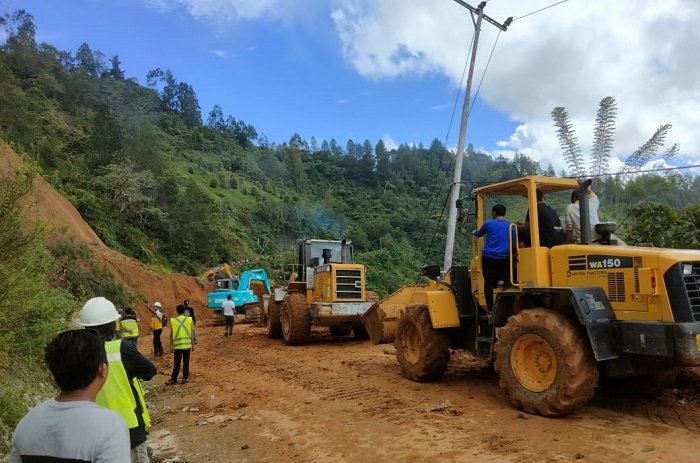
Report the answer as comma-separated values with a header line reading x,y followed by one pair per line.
x,y
501,239
101,413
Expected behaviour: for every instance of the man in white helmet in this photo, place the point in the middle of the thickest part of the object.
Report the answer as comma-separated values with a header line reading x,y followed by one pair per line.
x,y
157,328
122,391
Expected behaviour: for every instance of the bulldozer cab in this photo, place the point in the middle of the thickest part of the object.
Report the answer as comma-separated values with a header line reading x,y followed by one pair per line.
x,y
531,264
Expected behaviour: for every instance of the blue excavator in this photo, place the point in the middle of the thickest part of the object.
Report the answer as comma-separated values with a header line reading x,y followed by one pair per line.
x,y
246,291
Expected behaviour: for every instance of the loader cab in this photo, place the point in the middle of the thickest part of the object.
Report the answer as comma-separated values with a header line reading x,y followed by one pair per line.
x,y
315,253
531,266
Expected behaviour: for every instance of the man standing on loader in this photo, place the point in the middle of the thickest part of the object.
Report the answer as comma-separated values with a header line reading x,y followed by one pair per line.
x,y
496,255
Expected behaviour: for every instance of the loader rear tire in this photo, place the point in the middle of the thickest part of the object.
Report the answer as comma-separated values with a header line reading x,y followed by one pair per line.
x,y
342,330
545,363
274,325
360,333
296,319
421,350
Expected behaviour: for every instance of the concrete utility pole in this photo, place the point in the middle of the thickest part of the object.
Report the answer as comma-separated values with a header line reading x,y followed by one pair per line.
x,y
454,195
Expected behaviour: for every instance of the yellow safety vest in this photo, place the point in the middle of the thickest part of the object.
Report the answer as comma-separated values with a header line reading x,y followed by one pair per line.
x,y
181,329
130,328
118,394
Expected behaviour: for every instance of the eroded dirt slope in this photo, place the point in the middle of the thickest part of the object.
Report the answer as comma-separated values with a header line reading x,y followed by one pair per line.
x,y
46,204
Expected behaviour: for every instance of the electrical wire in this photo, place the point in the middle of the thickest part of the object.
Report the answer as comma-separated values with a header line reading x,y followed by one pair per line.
x,y
541,9
471,107
627,172
446,172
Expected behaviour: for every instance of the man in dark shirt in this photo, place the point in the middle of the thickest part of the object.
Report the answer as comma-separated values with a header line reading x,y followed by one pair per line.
x,y
551,231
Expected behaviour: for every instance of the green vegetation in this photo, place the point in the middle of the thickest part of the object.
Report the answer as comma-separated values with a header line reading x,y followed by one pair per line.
x,y
32,309
159,184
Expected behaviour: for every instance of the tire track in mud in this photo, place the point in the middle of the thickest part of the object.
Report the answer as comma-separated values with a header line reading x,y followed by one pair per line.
x,y
432,424
373,402
683,415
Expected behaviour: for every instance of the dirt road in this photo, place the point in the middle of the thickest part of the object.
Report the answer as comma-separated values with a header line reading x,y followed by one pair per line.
x,y
252,399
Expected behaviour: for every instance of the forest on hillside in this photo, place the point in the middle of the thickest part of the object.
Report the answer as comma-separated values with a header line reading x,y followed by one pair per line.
x,y
182,191
177,190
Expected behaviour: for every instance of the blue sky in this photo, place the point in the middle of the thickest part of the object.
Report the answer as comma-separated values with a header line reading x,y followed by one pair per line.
x,y
390,69
281,77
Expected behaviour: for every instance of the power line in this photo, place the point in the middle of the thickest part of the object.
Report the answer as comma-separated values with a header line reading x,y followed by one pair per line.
x,y
628,172
484,73
541,9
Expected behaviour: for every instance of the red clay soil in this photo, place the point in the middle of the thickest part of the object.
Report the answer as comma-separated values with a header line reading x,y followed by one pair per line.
x,y
47,205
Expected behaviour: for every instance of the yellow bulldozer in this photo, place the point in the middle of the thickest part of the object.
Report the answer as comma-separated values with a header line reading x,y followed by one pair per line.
x,y
326,288
569,316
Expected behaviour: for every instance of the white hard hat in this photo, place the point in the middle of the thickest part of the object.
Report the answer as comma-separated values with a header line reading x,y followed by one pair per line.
x,y
157,304
98,311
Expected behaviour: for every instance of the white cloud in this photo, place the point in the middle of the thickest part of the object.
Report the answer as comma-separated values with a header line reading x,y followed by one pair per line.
x,y
219,11
220,53
389,142
343,101
642,52
442,107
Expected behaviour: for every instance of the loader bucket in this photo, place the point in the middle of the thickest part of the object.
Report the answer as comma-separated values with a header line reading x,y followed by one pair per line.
x,y
382,318
380,327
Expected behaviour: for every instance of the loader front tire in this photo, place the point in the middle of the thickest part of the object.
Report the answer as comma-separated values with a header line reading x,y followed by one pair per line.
x,y
273,323
296,319
421,350
545,363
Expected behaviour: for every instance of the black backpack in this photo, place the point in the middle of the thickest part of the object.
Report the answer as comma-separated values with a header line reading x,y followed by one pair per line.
x,y
164,320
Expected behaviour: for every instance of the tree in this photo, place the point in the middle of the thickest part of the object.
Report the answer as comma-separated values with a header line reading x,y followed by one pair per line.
x,y
216,119
568,141
603,135
21,30
603,142
649,149
85,60
188,105
116,71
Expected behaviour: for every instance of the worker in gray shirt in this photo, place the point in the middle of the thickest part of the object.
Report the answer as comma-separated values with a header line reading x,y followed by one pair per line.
x,y
71,427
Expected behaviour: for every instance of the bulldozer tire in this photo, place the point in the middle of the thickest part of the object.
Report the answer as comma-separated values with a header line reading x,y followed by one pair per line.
x,y
360,333
296,319
342,330
545,363
274,325
421,350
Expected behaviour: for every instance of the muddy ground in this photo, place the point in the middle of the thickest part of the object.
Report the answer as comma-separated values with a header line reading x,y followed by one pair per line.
x,y
252,399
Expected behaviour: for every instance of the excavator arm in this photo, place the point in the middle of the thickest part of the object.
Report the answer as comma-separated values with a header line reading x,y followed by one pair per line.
x,y
209,274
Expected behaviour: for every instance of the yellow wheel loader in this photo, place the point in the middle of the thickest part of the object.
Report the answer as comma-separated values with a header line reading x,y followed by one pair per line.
x,y
570,314
325,289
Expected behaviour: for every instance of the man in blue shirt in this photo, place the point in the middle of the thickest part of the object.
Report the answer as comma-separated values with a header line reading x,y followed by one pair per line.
x,y
495,256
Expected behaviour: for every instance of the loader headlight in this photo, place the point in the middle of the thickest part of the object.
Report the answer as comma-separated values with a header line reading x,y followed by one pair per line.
x,y
687,269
